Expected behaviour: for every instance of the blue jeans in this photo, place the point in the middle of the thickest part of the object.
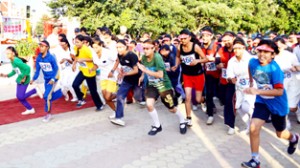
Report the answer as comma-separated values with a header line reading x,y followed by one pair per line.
x,y
122,94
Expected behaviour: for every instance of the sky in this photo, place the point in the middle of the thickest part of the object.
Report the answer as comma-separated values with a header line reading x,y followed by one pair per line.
x,y
38,5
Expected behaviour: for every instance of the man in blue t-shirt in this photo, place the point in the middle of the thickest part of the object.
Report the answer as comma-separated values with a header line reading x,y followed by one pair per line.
x,y
271,100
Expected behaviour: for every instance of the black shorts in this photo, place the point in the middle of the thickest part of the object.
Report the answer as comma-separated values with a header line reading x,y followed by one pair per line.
x,y
168,97
261,111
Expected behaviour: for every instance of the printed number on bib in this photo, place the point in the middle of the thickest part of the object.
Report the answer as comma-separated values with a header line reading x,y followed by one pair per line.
x,y
187,59
210,66
287,75
265,87
46,67
17,70
126,69
82,64
67,64
243,83
167,65
224,71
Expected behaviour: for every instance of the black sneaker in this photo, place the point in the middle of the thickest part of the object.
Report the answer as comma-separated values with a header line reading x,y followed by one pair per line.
x,y
129,102
251,164
99,108
182,128
293,146
154,130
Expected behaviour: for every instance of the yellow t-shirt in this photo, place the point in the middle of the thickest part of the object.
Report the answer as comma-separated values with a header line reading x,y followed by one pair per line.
x,y
85,52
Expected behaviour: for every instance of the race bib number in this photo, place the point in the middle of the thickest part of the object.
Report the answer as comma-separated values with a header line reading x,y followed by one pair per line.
x,y
82,64
17,71
265,87
187,59
224,71
243,83
67,64
287,75
167,66
46,67
126,69
210,66
152,79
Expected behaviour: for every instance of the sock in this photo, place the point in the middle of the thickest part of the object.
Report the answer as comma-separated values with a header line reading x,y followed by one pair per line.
x,y
180,116
189,118
154,117
255,156
294,138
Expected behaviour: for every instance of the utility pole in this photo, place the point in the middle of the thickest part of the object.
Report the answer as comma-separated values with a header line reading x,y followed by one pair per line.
x,y
28,26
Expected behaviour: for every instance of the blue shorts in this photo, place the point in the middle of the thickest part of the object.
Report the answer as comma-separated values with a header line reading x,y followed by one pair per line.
x,y
262,112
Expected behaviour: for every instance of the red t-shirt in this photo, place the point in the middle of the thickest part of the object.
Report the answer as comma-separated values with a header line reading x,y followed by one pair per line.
x,y
210,67
225,56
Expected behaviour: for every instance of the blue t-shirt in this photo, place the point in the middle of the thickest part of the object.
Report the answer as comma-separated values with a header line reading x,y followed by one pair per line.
x,y
266,77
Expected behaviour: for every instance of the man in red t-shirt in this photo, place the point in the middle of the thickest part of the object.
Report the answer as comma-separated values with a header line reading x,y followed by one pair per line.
x,y
227,88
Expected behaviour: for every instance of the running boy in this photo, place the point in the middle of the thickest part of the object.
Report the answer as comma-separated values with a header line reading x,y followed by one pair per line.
x,y
271,99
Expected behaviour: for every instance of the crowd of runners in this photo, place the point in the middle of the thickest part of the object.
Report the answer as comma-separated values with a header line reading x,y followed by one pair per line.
x,y
258,78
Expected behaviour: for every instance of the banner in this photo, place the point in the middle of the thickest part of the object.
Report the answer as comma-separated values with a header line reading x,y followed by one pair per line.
x,y
12,25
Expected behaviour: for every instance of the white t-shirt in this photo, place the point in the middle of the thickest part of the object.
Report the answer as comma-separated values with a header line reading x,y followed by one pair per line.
x,y
286,60
54,43
106,63
239,70
64,54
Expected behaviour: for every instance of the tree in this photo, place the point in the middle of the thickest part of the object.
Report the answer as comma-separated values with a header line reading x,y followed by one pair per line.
x,y
171,16
39,29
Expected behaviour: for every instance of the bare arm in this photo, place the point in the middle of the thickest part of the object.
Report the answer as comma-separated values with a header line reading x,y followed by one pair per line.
x,y
203,58
177,61
158,74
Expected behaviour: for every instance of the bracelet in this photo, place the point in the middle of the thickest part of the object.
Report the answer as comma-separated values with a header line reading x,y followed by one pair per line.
x,y
112,71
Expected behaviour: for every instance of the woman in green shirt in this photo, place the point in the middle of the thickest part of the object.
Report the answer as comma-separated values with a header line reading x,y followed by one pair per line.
x,y
23,71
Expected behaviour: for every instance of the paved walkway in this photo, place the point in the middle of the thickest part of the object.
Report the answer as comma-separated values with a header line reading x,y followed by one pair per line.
x,y
86,139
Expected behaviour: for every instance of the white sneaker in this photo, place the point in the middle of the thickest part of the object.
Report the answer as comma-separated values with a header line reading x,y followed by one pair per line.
x,y
194,107
74,100
203,107
210,120
31,111
47,118
118,121
231,131
189,122
142,103
39,92
112,116
298,116
245,131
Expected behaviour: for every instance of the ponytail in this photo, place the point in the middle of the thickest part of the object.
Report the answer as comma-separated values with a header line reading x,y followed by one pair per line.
x,y
16,53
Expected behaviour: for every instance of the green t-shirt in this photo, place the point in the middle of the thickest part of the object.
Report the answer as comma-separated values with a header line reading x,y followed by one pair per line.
x,y
157,64
21,69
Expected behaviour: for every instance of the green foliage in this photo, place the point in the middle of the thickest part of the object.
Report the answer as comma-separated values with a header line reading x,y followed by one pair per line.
x,y
157,16
39,29
26,48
